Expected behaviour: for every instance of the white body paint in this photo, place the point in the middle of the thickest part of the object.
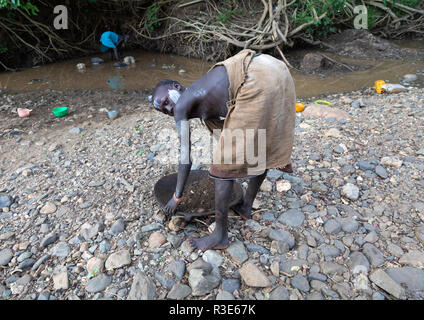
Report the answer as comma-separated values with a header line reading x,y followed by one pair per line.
x,y
174,95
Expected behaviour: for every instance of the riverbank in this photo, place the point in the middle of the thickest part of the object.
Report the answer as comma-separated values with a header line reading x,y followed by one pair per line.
x,y
79,220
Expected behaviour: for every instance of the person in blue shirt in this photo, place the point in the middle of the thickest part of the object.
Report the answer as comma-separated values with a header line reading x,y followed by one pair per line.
x,y
111,40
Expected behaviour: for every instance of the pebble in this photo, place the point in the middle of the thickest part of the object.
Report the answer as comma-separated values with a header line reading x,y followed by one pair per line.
x,y
98,283
292,218
201,282
48,208
213,257
253,276
230,285
156,239
332,226
350,191
61,281
300,282
238,251
179,291
5,256
118,259
374,256
142,288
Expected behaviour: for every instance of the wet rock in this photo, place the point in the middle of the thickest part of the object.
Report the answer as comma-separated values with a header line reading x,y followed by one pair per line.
x,y
312,62
142,288
252,276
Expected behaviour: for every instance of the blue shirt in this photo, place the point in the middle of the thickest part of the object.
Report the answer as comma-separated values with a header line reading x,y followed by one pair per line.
x,y
109,39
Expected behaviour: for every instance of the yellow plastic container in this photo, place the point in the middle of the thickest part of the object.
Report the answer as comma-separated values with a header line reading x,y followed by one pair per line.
x,y
299,107
378,86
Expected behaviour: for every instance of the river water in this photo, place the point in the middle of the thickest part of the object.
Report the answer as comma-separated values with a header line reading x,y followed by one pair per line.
x,y
152,67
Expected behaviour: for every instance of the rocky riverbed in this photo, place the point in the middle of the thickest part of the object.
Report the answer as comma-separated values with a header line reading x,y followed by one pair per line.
x,y
78,218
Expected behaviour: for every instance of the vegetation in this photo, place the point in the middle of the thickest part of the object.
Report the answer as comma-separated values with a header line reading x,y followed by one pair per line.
x,y
26,30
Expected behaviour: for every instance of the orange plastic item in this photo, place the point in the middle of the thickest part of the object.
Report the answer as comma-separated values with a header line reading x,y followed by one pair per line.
x,y
299,107
378,86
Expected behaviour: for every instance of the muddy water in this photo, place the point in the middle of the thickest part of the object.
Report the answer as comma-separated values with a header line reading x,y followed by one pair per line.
x,y
153,67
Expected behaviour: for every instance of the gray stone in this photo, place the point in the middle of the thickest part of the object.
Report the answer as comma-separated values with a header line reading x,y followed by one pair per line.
x,y
142,288
118,260
350,191
329,251
5,256
252,224
61,250
99,283
201,282
279,293
179,291
165,280
358,263
330,268
174,240
285,236
381,172
253,276
213,257
364,165
375,257
177,268
292,218
224,295
332,226
317,276
371,237
40,262
287,266
200,264
89,231
117,227
411,278
300,282
5,200
395,250
382,280
27,263
48,239
349,224
230,285
23,256
413,258
75,130
238,251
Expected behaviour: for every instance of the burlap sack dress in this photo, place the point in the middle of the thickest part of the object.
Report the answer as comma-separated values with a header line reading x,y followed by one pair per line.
x,y
262,97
